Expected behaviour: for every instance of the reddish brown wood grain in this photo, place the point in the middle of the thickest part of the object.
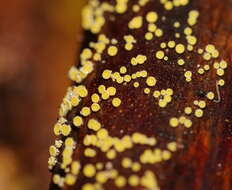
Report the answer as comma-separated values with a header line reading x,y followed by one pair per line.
x,y
205,160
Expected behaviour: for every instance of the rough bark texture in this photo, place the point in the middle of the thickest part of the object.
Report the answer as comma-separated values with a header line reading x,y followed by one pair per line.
x,y
203,160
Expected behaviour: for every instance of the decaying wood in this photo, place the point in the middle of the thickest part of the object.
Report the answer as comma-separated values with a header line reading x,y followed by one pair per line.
x,y
203,159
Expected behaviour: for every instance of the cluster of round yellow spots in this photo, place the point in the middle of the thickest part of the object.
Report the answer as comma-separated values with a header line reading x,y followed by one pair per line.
x,y
169,5
117,77
121,6
139,138
154,156
201,104
106,93
58,180
76,75
153,30
62,129
101,140
94,124
186,122
93,16
139,59
205,68
151,18
164,96
129,164
100,46
139,74
51,162
188,76
80,91
192,40
75,167
136,22
149,181
70,100
109,144
209,53
86,54
67,153
106,74
175,122
58,143
192,17
141,3
112,50
130,40
126,78
220,67
103,176
53,151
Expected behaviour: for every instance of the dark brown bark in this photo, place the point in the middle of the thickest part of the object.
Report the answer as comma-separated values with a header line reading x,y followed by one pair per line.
x,y
203,160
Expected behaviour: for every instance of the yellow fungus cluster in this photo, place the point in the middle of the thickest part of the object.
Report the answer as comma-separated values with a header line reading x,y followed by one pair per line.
x,y
139,59
220,67
188,76
169,5
164,96
130,40
98,139
209,53
121,6
93,16
182,120
141,3
154,156
94,124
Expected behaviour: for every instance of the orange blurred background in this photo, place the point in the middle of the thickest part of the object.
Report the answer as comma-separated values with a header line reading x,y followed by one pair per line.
x,y
38,44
